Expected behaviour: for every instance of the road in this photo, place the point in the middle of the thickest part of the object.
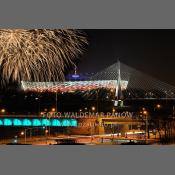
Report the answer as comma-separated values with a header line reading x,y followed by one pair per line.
x,y
94,139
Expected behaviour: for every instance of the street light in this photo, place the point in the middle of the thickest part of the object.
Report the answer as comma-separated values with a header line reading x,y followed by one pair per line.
x,y
46,132
15,139
93,108
53,110
145,112
22,133
3,110
143,109
42,113
146,124
158,106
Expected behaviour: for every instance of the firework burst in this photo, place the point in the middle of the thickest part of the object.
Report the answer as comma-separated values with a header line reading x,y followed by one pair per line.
x,y
38,54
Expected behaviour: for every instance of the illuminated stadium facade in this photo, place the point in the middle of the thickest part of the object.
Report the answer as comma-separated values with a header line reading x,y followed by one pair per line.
x,y
72,86
125,82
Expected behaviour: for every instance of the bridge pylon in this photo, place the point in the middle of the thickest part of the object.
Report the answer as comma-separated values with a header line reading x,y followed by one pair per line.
x,y
118,102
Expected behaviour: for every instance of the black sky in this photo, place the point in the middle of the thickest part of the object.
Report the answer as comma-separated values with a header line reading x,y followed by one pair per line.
x,y
151,51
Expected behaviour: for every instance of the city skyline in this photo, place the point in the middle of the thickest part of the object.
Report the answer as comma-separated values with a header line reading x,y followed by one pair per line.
x,y
124,74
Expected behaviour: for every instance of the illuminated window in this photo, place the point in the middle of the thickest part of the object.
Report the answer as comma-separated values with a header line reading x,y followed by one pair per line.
x,y
36,122
17,122
45,122
1,123
27,122
66,122
73,122
7,122
56,122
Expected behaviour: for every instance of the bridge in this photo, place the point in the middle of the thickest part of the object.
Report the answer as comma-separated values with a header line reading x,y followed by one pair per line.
x,y
39,121
118,82
35,121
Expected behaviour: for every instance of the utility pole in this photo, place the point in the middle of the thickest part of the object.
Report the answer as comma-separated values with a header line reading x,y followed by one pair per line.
x,y
146,128
25,135
97,100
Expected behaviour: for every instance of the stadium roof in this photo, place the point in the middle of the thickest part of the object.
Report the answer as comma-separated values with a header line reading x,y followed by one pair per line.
x,y
133,83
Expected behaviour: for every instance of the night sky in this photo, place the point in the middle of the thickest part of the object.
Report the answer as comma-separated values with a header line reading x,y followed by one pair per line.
x,y
150,51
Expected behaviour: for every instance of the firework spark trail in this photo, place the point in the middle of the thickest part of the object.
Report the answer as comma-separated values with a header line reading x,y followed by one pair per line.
x,y
38,54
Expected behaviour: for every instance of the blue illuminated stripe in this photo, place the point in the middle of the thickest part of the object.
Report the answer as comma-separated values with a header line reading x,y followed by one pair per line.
x,y
7,122
1,122
73,122
27,122
17,122
55,122
45,122
66,122
38,122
